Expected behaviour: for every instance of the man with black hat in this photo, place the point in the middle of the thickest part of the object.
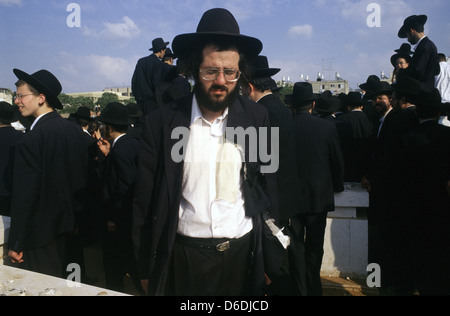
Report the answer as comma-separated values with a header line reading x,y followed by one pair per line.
x,y
360,148
193,234
320,166
425,64
259,89
119,178
147,76
50,171
8,139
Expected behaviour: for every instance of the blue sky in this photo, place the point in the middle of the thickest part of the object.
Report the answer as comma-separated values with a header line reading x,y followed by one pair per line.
x,y
300,37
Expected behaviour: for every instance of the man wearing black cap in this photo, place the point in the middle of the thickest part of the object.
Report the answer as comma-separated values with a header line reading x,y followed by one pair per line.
x,y
193,234
49,178
8,139
320,165
119,178
147,76
425,64
259,89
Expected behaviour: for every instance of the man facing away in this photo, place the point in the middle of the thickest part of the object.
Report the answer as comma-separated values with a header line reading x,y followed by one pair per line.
x,y
147,76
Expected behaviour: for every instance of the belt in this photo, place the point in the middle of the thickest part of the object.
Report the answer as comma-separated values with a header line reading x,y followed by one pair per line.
x,y
218,244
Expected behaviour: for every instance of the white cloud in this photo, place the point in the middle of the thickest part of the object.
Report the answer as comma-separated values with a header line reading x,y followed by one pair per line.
x,y
10,3
94,72
305,31
123,30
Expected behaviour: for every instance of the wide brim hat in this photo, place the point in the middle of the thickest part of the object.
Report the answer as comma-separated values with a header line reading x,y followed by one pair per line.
x,y
303,93
45,82
260,67
382,88
394,58
371,83
327,103
83,113
218,24
354,99
411,22
170,54
8,113
158,44
115,114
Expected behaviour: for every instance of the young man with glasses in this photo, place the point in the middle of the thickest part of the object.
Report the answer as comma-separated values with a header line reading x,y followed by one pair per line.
x,y
191,231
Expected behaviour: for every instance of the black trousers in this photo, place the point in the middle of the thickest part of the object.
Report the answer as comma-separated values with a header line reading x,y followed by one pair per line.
x,y
48,260
305,254
200,269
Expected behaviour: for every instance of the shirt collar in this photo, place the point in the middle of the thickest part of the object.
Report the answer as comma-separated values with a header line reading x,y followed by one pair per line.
x,y
115,141
37,119
197,113
415,46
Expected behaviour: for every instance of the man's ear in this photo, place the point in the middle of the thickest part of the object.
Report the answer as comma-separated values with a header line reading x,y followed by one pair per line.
x,y
42,99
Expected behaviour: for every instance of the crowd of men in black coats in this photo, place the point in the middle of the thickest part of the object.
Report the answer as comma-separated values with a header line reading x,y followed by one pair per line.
x,y
387,138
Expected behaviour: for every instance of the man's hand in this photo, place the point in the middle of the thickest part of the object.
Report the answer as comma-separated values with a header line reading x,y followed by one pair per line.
x,y
15,257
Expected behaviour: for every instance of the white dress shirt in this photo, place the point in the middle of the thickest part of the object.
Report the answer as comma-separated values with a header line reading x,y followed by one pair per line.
x,y
212,203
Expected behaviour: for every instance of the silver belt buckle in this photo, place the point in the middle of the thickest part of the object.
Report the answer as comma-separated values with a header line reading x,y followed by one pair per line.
x,y
223,247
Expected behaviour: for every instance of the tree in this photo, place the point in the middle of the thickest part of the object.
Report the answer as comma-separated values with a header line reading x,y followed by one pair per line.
x,y
107,98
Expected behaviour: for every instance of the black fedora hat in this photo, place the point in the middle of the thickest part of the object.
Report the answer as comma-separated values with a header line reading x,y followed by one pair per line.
x,y
327,103
170,54
83,113
303,94
260,67
45,82
218,24
404,52
382,88
8,113
354,99
371,83
411,22
158,44
115,114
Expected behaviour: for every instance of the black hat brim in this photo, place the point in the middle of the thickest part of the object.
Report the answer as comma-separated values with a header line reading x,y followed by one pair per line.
x,y
54,101
415,20
269,72
157,49
396,56
184,44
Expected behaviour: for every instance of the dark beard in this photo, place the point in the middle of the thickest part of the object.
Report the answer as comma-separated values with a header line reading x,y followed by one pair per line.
x,y
206,101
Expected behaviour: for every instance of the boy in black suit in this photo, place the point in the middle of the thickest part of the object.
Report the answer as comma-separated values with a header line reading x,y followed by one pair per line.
x,y
49,178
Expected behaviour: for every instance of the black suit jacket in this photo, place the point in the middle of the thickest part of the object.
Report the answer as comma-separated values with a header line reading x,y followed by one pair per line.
x,y
119,181
280,116
49,182
159,188
320,163
146,78
425,64
358,153
8,139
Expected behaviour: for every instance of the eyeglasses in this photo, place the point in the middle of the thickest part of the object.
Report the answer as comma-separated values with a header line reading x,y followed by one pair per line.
x,y
21,96
211,74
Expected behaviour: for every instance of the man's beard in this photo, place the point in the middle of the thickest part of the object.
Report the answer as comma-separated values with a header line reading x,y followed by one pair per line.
x,y
212,104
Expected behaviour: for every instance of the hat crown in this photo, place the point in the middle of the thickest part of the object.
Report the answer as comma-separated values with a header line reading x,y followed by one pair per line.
x,y
115,113
49,81
303,91
218,21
